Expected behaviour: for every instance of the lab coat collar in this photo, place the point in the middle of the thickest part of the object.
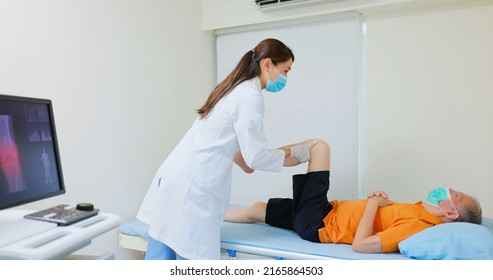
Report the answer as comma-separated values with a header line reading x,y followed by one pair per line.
x,y
255,83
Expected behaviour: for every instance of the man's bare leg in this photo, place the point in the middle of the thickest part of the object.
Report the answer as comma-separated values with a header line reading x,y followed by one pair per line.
x,y
319,157
253,213
319,161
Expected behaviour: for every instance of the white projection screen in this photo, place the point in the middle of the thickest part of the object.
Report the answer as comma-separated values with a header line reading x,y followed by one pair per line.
x,y
324,98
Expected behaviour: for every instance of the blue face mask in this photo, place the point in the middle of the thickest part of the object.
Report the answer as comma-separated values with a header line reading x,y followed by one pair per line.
x,y
278,85
438,194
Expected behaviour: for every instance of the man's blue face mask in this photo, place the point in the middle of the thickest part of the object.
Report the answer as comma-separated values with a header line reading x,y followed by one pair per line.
x,y
278,85
438,194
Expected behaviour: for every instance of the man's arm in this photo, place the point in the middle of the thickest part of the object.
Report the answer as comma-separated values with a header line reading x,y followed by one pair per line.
x,y
364,240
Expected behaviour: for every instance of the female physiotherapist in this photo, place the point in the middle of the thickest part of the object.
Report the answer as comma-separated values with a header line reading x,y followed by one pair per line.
x,y
189,195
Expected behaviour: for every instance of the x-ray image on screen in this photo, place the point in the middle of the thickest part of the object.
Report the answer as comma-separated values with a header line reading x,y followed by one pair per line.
x,y
9,157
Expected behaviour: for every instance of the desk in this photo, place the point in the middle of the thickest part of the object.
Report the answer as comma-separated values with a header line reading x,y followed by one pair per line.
x,y
57,242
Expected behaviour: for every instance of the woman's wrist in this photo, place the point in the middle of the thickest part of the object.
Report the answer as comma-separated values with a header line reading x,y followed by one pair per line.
x,y
287,152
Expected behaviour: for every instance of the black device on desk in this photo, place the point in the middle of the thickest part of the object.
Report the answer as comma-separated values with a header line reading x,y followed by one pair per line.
x,y
64,214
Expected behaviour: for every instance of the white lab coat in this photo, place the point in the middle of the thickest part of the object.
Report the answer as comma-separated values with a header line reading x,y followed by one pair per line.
x,y
187,200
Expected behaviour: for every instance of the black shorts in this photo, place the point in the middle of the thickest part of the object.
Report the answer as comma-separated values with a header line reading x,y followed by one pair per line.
x,y
304,213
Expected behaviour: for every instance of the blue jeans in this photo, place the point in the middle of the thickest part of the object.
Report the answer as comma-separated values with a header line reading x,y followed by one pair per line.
x,y
157,250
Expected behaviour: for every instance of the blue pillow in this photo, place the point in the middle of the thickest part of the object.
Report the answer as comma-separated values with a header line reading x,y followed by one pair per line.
x,y
450,241
488,222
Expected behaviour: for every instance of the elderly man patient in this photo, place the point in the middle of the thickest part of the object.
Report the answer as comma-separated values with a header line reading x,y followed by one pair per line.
x,y
372,225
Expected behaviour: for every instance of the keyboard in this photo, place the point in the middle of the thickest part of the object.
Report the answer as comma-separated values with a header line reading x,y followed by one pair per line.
x,y
62,214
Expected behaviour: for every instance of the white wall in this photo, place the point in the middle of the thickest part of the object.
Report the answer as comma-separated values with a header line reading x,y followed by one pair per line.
x,y
430,92
125,77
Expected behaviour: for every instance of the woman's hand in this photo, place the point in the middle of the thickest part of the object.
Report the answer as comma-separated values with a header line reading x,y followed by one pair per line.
x,y
240,161
302,151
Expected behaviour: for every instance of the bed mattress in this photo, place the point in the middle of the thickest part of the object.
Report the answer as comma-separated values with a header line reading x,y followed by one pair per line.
x,y
261,239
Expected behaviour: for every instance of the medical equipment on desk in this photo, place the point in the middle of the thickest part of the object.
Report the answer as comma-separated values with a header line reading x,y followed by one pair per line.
x,y
31,170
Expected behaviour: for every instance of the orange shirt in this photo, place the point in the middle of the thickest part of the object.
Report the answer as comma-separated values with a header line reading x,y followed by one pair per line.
x,y
393,223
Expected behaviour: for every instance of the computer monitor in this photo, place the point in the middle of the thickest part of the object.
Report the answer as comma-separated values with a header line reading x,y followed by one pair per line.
x,y
30,168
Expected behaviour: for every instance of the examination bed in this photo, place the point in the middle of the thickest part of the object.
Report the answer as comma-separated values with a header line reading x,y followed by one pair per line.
x,y
447,241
